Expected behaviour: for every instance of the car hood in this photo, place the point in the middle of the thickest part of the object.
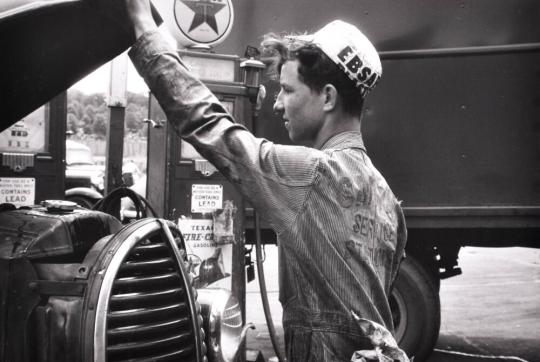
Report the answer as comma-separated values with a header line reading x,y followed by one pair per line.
x,y
49,45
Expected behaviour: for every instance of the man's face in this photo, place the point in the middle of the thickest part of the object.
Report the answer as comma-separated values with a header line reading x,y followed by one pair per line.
x,y
301,107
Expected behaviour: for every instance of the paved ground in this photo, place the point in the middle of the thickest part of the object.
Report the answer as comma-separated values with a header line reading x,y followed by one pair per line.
x,y
490,312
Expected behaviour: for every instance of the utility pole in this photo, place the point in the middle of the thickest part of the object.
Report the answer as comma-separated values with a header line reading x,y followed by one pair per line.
x,y
117,101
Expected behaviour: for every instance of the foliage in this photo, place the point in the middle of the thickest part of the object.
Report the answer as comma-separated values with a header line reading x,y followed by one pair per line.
x,y
88,114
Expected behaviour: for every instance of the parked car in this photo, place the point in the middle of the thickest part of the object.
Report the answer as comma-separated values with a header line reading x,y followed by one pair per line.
x,y
85,178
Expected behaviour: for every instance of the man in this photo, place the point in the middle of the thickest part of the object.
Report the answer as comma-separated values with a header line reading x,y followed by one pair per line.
x,y
340,230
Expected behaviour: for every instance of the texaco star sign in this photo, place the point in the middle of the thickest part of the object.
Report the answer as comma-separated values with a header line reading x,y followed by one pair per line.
x,y
204,21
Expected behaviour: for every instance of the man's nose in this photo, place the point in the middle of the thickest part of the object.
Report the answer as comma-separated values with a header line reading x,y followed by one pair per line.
x,y
278,104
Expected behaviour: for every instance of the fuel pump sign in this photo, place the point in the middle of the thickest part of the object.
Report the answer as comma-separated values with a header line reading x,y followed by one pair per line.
x,y
18,191
206,198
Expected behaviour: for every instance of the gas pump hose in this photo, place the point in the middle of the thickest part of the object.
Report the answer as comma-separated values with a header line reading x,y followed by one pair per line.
x,y
264,294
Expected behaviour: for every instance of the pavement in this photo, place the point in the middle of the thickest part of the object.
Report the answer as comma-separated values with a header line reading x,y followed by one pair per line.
x,y
489,313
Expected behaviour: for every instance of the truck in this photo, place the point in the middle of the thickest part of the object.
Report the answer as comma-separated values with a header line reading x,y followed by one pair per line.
x,y
453,126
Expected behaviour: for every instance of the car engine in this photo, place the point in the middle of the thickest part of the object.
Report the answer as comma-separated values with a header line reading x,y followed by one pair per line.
x,y
77,285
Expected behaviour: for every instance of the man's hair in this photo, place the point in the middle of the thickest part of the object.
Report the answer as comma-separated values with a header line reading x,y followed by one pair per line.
x,y
315,68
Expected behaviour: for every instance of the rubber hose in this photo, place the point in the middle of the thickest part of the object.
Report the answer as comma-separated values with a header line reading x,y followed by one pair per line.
x,y
106,203
140,203
262,286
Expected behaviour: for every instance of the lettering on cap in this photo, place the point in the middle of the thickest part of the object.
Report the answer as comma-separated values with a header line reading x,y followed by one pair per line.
x,y
356,70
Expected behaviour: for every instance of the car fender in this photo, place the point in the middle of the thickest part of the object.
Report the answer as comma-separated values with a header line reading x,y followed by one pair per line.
x,y
84,191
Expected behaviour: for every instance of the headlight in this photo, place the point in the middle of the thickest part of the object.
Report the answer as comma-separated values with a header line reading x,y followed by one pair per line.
x,y
223,323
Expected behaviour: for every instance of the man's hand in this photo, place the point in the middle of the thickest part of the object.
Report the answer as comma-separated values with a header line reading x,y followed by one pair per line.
x,y
140,14
134,16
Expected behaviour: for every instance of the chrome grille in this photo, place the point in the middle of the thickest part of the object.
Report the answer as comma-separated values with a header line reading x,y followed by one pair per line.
x,y
149,316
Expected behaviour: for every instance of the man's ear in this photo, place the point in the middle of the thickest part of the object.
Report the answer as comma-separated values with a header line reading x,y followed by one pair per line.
x,y
330,97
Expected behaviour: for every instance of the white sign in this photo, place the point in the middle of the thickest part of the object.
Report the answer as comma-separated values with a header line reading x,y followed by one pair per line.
x,y
18,191
28,134
200,246
206,198
198,233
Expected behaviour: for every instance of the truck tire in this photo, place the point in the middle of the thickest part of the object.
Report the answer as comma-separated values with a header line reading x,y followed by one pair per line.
x,y
416,310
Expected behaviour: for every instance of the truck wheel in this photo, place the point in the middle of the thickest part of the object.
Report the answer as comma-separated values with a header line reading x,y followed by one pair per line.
x,y
416,310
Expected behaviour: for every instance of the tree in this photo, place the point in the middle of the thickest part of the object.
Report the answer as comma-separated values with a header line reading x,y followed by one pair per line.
x,y
74,107
72,123
97,99
99,126
134,117
90,111
86,124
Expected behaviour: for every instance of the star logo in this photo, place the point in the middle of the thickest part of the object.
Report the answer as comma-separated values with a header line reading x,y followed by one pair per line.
x,y
204,21
205,12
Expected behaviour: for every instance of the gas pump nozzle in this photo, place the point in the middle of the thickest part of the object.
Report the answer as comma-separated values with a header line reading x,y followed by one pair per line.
x,y
252,77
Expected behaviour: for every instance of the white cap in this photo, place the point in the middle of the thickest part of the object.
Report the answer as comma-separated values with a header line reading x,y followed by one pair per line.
x,y
351,50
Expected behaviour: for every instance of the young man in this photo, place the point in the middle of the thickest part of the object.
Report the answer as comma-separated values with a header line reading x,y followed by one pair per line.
x,y
341,231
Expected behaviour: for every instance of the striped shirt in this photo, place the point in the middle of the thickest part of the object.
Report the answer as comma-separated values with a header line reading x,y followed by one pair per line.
x,y
340,229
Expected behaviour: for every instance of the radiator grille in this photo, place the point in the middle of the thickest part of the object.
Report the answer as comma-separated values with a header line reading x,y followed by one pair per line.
x,y
149,316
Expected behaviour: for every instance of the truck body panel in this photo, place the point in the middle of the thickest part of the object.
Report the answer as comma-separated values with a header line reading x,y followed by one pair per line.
x,y
454,124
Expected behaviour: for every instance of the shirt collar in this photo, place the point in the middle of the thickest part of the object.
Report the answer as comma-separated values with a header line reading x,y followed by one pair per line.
x,y
340,141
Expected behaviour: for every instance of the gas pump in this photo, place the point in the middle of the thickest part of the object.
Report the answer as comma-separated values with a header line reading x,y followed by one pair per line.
x,y
183,186
187,189
78,285
32,156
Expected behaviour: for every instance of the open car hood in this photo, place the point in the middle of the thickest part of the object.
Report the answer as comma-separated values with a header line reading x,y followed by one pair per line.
x,y
49,45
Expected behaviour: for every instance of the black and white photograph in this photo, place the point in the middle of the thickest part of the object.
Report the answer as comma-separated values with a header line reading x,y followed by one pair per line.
x,y
270,180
